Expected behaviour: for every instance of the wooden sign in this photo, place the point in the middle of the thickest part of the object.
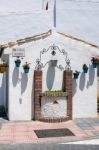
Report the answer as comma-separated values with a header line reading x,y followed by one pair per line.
x,y
18,52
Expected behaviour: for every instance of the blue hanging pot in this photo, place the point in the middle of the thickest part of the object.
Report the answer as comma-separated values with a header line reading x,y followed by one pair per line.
x,y
85,70
17,63
94,64
26,70
75,75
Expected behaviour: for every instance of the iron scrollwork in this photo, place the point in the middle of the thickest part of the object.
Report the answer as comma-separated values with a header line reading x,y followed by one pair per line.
x,y
53,48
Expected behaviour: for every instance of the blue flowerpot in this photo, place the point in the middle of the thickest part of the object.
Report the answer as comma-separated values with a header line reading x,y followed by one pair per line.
x,y
17,63
85,69
94,64
26,70
76,75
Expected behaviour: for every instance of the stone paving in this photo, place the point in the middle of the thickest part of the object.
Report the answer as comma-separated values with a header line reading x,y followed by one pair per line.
x,y
23,132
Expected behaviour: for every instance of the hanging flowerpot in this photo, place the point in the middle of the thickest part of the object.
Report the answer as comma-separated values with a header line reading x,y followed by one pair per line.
x,y
17,62
85,68
26,70
76,74
94,62
26,67
3,68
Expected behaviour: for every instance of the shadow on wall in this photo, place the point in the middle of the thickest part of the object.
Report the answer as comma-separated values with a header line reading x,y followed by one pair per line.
x,y
74,87
24,81
50,76
15,77
91,76
82,81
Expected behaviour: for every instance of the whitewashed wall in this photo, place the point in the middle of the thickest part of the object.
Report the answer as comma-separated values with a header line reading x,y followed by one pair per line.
x,y
1,89
21,85
51,109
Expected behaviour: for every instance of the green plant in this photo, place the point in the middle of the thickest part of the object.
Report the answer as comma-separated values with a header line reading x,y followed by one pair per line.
x,y
54,91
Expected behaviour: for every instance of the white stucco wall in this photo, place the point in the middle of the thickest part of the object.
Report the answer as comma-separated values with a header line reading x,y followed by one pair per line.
x,y
21,85
51,109
1,90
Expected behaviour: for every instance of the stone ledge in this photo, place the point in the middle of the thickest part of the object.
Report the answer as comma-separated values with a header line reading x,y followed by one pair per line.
x,y
54,120
56,94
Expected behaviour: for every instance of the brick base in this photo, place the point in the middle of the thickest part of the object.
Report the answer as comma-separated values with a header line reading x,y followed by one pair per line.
x,y
38,93
54,120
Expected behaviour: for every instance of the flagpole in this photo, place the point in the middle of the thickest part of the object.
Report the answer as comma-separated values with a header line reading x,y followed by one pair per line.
x,y
54,14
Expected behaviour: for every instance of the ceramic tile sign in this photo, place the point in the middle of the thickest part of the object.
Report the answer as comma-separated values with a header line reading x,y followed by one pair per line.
x,y
18,52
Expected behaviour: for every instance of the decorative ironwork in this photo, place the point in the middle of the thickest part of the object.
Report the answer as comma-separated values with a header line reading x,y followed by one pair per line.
x,y
68,67
53,48
39,65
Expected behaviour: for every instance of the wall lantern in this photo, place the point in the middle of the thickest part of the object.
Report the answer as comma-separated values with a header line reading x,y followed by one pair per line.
x,y
53,51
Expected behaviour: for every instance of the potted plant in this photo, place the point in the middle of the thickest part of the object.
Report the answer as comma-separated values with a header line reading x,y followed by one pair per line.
x,y
26,67
3,67
17,62
94,62
76,74
85,68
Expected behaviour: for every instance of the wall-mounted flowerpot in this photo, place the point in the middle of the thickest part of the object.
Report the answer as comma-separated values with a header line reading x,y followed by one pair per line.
x,y
26,67
94,64
85,68
26,70
3,68
54,63
75,75
17,63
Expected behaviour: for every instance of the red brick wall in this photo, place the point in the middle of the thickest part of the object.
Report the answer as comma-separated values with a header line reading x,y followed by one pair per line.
x,y
68,89
37,92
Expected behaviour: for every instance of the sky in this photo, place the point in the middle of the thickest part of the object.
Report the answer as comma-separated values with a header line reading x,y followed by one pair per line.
x,y
22,18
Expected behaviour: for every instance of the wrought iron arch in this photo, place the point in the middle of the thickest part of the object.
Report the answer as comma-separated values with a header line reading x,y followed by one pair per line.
x,y
53,48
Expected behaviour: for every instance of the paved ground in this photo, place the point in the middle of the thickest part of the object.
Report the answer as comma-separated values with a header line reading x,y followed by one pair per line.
x,y
47,147
23,132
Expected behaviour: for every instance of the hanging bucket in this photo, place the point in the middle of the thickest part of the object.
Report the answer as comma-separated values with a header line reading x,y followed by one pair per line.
x,y
75,75
3,68
17,63
26,70
94,64
85,69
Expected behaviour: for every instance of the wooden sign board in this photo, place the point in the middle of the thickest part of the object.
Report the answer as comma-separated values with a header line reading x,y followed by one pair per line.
x,y
18,52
